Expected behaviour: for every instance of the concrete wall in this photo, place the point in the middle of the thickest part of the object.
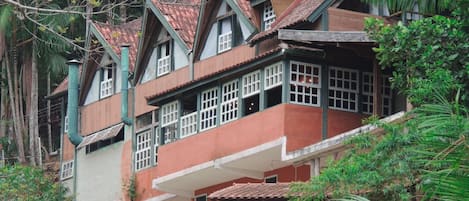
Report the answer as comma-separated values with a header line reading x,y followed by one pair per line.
x,y
99,174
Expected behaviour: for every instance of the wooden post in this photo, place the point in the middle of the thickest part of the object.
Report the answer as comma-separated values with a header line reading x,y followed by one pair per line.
x,y
377,100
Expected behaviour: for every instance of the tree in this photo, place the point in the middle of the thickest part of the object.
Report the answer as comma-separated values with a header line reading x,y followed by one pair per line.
x,y
424,157
42,35
28,183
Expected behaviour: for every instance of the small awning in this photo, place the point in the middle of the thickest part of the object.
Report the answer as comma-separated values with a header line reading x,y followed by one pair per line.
x,y
101,135
253,191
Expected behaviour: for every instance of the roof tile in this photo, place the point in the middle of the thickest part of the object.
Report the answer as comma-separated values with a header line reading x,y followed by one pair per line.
x,y
297,12
116,35
252,191
182,15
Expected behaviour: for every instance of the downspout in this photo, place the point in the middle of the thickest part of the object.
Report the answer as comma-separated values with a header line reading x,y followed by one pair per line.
x,y
72,112
124,87
72,107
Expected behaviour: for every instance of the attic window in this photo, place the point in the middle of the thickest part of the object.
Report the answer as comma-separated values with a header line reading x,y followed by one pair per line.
x,y
268,15
106,84
225,36
164,58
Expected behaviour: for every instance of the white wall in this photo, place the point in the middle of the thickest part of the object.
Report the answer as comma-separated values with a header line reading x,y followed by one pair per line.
x,y
99,173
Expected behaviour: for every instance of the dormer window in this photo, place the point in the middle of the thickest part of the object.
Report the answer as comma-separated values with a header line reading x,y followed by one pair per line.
x,y
106,83
268,17
225,35
164,58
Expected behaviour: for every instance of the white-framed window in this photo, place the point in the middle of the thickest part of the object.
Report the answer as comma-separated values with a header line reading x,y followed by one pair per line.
x,y
164,58
169,113
143,152
208,112
273,75
305,83
343,89
67,170
367,94
251,84
107,85
156,143
229,102
189,124
225,41
268,15
66,123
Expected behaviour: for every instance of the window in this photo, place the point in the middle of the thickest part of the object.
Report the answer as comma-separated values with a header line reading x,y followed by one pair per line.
x,y
367,96
273,84
164,58
189,115
201,198
225,35
67,170
305,83
268,15
147,135
208,112
250,94
66,124
143,152
107,85
169,119
169,113
229,102
343,89
271,179
104,142
273,76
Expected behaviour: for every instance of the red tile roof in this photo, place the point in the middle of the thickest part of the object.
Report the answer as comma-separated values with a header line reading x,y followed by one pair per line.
x,y
248,11
116,35
63,86
297,12
182,15
148,98
252,191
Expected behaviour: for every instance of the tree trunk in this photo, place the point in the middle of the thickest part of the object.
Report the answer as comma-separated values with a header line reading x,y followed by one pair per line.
x,y
123,12
3,101
33,109
49,129
17,129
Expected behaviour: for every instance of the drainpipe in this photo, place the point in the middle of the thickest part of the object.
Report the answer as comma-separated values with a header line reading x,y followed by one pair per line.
x,y
72,110
191,65
124,87
72,107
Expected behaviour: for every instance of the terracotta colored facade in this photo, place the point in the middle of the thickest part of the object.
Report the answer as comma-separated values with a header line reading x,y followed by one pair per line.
x,y
273,142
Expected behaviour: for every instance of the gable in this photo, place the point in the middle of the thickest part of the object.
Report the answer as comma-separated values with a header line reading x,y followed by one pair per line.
x,y
222,25
104,81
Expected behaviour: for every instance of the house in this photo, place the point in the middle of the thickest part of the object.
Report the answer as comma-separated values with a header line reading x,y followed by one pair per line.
x,y
222,92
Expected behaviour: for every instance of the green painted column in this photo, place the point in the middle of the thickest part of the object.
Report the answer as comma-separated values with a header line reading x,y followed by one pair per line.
x,y
72,108
124,84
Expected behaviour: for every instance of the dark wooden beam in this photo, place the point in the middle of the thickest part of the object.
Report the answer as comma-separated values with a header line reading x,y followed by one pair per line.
x,y
324,36
377,99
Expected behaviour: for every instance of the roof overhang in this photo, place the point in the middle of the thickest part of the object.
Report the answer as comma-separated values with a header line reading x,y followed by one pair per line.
x,y
101,135
325,36
259,159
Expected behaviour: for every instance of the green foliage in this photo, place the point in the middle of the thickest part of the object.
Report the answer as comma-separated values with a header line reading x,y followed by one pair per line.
x,y
428,54
425,155
427,7
28,183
